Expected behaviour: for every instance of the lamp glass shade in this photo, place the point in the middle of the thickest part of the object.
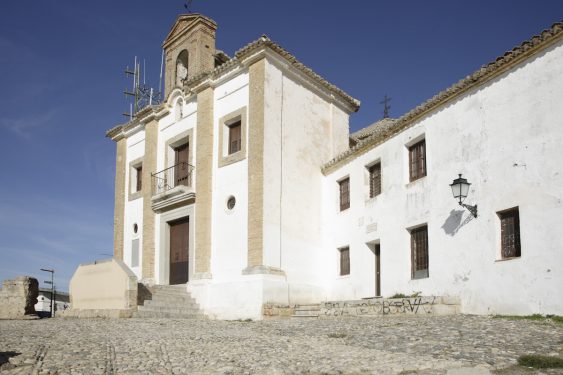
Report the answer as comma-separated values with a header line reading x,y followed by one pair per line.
x,y
460,188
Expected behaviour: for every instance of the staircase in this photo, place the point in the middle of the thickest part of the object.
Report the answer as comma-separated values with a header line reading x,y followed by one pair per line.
x,y
306,311
169,301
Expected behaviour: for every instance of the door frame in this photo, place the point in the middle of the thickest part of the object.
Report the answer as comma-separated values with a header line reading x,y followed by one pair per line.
x,y
184,272
375,279
163,251
377,252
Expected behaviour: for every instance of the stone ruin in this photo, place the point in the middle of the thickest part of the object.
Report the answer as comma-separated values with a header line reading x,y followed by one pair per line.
x,y
18,298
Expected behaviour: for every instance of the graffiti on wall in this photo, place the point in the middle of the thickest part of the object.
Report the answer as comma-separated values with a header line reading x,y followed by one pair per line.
x,y
380,306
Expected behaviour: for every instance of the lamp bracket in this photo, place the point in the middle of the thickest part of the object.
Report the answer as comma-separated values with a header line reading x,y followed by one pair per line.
x,y
470,208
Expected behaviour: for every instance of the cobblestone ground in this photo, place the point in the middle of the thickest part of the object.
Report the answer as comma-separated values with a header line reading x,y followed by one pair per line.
x,y
390,345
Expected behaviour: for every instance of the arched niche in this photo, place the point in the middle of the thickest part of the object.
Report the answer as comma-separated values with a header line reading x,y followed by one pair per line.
x,y
181,68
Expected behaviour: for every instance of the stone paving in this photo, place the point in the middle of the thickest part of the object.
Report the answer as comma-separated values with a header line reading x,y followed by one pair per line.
x,y
389,345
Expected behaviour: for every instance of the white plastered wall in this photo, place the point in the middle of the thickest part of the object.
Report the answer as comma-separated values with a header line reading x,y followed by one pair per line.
x,y
302,132
133,208
170,127
506,138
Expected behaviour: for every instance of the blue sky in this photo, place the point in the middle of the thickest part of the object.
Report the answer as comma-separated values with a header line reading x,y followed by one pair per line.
x,y
61,73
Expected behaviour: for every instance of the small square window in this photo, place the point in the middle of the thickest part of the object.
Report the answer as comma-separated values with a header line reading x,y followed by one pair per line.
x,y
374,180
510,233
344,261
232,137
344,186
417,160
419,252
235,138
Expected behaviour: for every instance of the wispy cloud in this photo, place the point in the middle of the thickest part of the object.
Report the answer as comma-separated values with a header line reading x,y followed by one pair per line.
x,y
41,231
24,126
15,51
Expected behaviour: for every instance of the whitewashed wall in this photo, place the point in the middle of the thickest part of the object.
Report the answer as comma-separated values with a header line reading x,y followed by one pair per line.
x,y
169,127
229,227
134,208
302,132
506,137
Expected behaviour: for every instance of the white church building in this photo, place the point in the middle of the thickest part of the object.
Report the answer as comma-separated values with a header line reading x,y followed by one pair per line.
x,y
246,186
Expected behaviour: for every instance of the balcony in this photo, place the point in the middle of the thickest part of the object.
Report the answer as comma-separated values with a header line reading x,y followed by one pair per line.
x,y
172,186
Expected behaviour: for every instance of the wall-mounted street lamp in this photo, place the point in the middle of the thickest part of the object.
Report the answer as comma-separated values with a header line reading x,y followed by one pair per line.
x,y
460,189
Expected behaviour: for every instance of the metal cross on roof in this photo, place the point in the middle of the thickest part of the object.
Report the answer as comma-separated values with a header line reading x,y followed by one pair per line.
x,y
188,5
386,106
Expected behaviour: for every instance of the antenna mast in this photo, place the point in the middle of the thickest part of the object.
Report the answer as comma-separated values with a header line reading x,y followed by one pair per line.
x,y
141,95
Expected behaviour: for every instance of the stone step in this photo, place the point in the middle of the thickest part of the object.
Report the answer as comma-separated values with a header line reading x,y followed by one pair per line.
x,y
172,299
312,307
306,313
170,292
175,310
169,301
166,315
159,303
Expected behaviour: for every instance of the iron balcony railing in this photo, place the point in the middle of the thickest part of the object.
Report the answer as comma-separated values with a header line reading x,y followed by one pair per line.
x,y
169,178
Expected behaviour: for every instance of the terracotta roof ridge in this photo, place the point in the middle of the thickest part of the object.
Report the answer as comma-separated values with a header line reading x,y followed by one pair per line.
x,y
480,76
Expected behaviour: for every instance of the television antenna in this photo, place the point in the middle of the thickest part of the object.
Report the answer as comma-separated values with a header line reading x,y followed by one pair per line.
x,y
141,94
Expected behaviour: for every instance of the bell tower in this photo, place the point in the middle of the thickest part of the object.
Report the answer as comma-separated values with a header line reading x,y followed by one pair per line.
x,y
189,50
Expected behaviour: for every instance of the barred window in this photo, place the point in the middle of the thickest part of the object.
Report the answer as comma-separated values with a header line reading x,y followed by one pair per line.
x,y
510,233
344,261
344,194
374,180
417,160
419,252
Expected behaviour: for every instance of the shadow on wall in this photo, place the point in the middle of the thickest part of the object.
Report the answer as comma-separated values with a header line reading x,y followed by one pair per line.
x,y
453,223
5,357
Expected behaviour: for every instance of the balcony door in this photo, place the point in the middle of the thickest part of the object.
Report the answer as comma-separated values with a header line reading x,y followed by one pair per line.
x,y
179,251
181,169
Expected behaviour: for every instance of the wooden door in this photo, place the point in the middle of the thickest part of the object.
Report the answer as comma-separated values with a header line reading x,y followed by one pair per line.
x,y
182,171
377,270
179,250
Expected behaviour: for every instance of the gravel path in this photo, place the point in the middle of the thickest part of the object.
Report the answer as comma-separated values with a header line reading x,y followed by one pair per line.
x,y
389,345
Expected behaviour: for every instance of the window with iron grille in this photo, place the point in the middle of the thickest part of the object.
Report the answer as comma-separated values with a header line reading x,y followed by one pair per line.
x,y
139,178
417,160
344,261
419,252
510,233
344,194
235,137
374,180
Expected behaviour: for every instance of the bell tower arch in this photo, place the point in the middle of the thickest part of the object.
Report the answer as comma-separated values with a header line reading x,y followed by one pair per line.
x,y
189,50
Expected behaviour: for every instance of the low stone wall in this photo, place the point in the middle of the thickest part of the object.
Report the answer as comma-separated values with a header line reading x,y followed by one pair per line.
x,y
433,305
18,298
423,306
105,288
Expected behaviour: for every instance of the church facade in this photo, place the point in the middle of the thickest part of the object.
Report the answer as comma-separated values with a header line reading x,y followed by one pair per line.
x,y
246,185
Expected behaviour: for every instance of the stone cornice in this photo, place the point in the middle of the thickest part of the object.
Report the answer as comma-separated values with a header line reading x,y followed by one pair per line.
x,y
486,73
144,116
